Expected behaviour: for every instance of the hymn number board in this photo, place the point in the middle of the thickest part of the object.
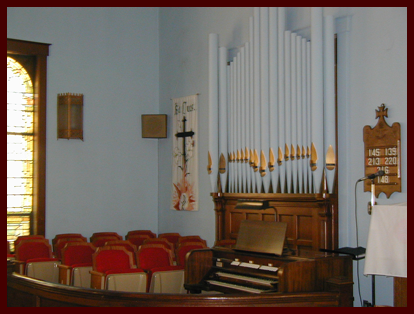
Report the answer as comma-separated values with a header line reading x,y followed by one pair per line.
x,y
383,152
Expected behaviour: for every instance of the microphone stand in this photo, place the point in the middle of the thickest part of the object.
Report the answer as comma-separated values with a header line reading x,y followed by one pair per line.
x,y
359,252
370,206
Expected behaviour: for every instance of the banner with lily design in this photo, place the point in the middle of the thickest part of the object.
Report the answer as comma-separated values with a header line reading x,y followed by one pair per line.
x,y
185,159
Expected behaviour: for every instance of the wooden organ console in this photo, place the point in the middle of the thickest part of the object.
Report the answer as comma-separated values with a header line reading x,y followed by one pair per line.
x,y
311,221
229,271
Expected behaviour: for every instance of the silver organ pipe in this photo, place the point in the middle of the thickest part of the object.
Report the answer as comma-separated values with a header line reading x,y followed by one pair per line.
x,y
281,97
239,123
273,108
213,157
222,110
299,123
329,100
305,83
232,137
293,112
264,97
308,114
251,104
243,119
256,101
247,119
276,108
317,97
288,109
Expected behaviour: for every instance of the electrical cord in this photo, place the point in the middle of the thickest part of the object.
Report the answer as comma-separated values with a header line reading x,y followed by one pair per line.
x,y
356,227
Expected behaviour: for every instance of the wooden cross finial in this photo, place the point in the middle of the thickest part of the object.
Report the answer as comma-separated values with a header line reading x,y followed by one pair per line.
x,y
381,112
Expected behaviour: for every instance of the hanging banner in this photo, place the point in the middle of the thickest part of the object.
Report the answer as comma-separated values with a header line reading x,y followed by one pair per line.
x,y
185,157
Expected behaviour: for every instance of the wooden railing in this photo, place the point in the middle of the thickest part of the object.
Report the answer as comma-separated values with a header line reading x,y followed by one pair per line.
x,y
29,292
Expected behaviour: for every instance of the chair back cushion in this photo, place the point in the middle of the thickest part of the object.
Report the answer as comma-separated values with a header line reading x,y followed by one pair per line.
x,y
171,237
125,243
111,235
33,249
107,258
138,239
154,255
28,237
77,254
163,241
60,244
98,242
149,233
67,236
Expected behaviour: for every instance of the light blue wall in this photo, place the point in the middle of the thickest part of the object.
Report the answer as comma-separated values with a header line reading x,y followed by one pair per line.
x,y
184,71
131,61
109,181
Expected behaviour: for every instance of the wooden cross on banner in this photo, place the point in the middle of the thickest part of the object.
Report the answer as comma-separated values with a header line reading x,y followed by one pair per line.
x,y
183,135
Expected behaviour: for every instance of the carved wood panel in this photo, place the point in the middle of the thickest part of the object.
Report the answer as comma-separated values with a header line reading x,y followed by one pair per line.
x,y
311,219
383,152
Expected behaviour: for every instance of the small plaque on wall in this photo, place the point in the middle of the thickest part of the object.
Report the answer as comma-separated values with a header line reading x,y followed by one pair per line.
x,y
154,125
383,152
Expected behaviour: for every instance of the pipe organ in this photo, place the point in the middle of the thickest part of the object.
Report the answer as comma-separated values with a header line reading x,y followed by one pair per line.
x,y
272,108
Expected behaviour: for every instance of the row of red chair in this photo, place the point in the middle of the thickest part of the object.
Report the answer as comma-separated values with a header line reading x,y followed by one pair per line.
x,y
77,265
138,237
114,269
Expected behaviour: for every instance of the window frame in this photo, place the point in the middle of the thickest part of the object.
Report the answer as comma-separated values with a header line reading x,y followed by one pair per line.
x,y
40,51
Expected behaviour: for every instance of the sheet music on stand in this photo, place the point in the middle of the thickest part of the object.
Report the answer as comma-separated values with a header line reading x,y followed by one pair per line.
x,y
261,236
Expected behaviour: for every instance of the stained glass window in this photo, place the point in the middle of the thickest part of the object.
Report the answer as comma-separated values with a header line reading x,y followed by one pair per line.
x,y
20,136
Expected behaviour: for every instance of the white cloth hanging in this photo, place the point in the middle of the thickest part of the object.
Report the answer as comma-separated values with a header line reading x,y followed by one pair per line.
x,y
386,252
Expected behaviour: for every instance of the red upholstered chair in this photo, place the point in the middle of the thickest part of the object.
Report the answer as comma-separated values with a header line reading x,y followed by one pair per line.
x,y
20,239
126,244
67,235
60,244
140,232
192,238
61,236
172,237
154,255
137,239
76,264
34,258
163,241
113,269
185,247
167,244
163,275
28,237
112,235
100,241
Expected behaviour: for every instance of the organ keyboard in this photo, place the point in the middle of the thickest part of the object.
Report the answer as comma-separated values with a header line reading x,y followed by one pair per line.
x,y
257,264
231,271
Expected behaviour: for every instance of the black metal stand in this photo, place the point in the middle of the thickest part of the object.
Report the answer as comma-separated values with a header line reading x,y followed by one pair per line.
x,y
373,290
